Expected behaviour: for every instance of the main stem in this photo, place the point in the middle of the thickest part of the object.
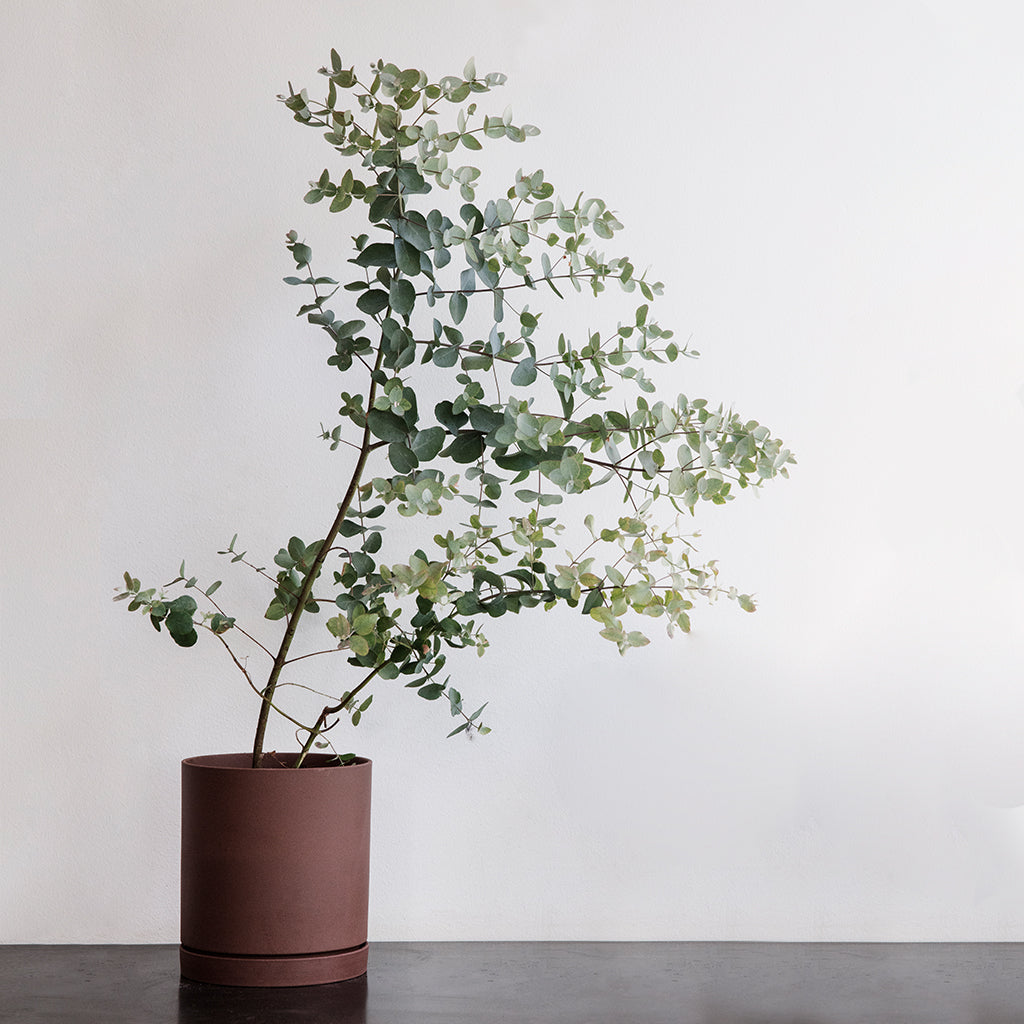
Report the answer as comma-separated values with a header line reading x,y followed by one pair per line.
x,y
314,572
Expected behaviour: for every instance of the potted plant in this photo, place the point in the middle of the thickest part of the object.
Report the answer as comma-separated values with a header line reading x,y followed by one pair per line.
x,y
461,403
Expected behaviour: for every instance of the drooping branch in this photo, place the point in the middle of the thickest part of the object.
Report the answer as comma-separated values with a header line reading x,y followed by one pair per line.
x,y
329,710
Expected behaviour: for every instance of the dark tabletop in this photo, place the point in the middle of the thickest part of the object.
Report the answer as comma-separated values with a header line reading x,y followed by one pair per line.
x,y
541,983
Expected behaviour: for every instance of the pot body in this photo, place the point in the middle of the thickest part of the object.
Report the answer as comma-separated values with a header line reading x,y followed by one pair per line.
x,y
275,866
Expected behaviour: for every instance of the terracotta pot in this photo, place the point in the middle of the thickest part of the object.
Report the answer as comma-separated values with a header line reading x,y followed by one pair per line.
x,y
275,866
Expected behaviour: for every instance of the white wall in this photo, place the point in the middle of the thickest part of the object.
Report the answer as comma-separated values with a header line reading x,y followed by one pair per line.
x,y
832,193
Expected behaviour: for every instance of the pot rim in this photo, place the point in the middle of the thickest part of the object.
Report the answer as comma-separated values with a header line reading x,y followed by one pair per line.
x,y
242,762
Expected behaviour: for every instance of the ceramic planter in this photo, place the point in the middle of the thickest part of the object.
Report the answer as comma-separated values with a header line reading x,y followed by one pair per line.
x,y
274,870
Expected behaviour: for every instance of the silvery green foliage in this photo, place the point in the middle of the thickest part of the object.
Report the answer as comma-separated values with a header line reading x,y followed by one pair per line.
x,y
507,433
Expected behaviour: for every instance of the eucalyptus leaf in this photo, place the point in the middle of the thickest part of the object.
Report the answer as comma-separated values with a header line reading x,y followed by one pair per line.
x,y
407,257
467,446
373,301
525,372
402,458
414,234
379,254
402,296
445,356
386,425
457,306
428,443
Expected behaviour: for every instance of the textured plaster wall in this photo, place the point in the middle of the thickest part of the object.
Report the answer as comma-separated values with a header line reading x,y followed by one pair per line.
x,y
832,193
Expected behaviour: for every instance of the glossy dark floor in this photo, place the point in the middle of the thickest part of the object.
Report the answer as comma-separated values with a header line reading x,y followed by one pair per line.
x,y
540,983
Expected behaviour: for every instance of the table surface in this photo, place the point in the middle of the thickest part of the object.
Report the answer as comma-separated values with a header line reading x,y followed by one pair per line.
x,y
541,983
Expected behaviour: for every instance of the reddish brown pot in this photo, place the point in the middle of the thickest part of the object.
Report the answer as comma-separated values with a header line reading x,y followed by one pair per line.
x,y
275,866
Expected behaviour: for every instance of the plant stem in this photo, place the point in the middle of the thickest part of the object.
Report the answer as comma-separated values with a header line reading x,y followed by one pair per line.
x,y
314,572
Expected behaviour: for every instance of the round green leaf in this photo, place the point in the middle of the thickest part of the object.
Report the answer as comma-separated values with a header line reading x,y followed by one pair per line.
x,y
408,257
525,373
457,305
446,356
373,301
402,459
427,443
403,296
386,425
467,447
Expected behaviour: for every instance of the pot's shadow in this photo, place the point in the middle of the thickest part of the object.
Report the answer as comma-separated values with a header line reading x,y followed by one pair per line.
x,y
341,1003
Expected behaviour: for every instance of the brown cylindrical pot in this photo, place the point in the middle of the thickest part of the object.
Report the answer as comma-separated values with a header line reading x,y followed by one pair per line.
x,y
275,866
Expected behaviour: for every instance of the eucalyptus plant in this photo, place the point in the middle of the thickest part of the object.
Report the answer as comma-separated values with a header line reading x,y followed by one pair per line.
x,y
457,397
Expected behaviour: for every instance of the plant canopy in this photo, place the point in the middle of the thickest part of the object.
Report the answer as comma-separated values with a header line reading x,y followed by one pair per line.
x,y
460,402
